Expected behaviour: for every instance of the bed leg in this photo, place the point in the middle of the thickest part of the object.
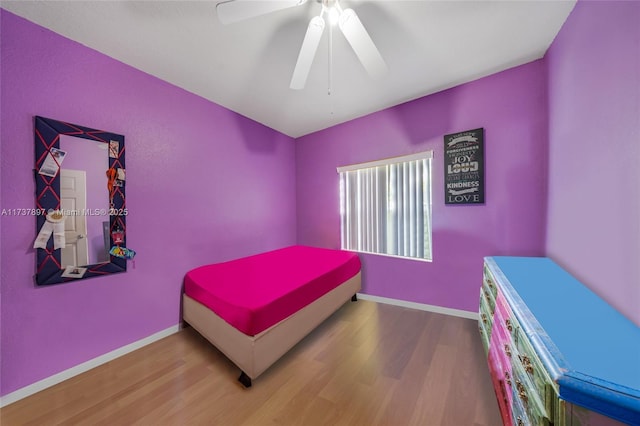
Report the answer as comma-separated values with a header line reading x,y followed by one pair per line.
x,y
245,380
354,298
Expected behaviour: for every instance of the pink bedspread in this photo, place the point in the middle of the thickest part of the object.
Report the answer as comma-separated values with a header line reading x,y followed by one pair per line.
x,y
256,292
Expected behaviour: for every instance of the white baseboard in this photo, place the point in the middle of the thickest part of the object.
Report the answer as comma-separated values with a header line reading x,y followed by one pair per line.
x,y
85,366
420,306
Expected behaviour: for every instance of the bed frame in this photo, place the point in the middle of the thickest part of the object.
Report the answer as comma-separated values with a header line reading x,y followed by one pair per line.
x,y
254,354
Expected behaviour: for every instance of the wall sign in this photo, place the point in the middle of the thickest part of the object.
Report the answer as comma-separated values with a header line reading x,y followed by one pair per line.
x,y
464,167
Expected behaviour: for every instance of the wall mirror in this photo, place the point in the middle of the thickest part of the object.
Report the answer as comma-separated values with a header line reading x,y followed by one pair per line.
x,y
80,201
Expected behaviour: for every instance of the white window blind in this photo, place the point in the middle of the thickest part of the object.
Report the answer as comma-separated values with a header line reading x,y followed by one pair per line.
x,y
385,206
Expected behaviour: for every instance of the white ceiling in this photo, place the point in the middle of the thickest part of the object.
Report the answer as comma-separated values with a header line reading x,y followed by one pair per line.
x,y
428,45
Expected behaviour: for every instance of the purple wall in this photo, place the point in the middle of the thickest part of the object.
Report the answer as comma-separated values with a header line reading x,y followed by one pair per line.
x,y
594,137
203,185
512,107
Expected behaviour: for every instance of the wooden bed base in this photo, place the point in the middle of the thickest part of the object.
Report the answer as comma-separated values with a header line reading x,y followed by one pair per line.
x,y
254,354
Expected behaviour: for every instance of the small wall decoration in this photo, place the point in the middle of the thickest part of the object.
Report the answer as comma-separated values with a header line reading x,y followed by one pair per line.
x,y
464,167
53,225
52,162
73,272
114,149
122,252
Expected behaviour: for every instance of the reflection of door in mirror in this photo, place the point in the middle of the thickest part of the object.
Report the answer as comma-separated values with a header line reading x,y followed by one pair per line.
x,y
73,198
91,158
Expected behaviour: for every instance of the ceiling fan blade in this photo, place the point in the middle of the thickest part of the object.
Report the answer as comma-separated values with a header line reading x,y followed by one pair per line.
x,y
233,11
361,42
307,53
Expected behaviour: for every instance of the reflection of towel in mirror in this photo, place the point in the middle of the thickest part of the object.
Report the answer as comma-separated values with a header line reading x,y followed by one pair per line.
x,y
57,229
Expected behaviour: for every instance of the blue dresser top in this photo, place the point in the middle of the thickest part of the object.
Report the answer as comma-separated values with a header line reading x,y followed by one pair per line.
x,y
592,350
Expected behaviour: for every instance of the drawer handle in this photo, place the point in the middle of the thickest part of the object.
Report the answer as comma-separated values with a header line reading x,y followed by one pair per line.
x,y
507,376
524,397
522,393
526,363
507,350
508,324
484,318
520,422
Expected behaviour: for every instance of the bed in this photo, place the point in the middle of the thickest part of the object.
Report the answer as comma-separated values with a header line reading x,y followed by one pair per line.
x,y
256,308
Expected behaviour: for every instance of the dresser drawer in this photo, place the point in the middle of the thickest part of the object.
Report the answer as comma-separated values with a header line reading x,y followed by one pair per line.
x,y
484,335
520,417
501,338
527,395
530,380
489,299
530,363
489,281
504,395
560,413
508,320
501,350
486,313
524,416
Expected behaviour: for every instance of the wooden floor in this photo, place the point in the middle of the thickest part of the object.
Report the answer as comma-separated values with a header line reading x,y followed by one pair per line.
x,y
368,364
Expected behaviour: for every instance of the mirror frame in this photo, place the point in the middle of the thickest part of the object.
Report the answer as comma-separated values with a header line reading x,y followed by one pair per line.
x,y
47,134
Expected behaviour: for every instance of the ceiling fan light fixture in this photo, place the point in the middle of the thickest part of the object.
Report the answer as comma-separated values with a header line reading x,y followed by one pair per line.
x,y
333,15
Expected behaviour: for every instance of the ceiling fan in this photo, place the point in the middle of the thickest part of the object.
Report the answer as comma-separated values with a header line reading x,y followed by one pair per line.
x,y
232,11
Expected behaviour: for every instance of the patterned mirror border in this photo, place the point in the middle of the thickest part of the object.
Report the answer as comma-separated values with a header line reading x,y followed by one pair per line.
x,y
47,135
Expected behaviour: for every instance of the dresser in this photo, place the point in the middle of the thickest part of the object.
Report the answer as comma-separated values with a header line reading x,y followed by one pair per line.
x,y
558,354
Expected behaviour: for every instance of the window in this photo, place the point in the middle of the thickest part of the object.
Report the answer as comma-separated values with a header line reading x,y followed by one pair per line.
x,y
385,206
